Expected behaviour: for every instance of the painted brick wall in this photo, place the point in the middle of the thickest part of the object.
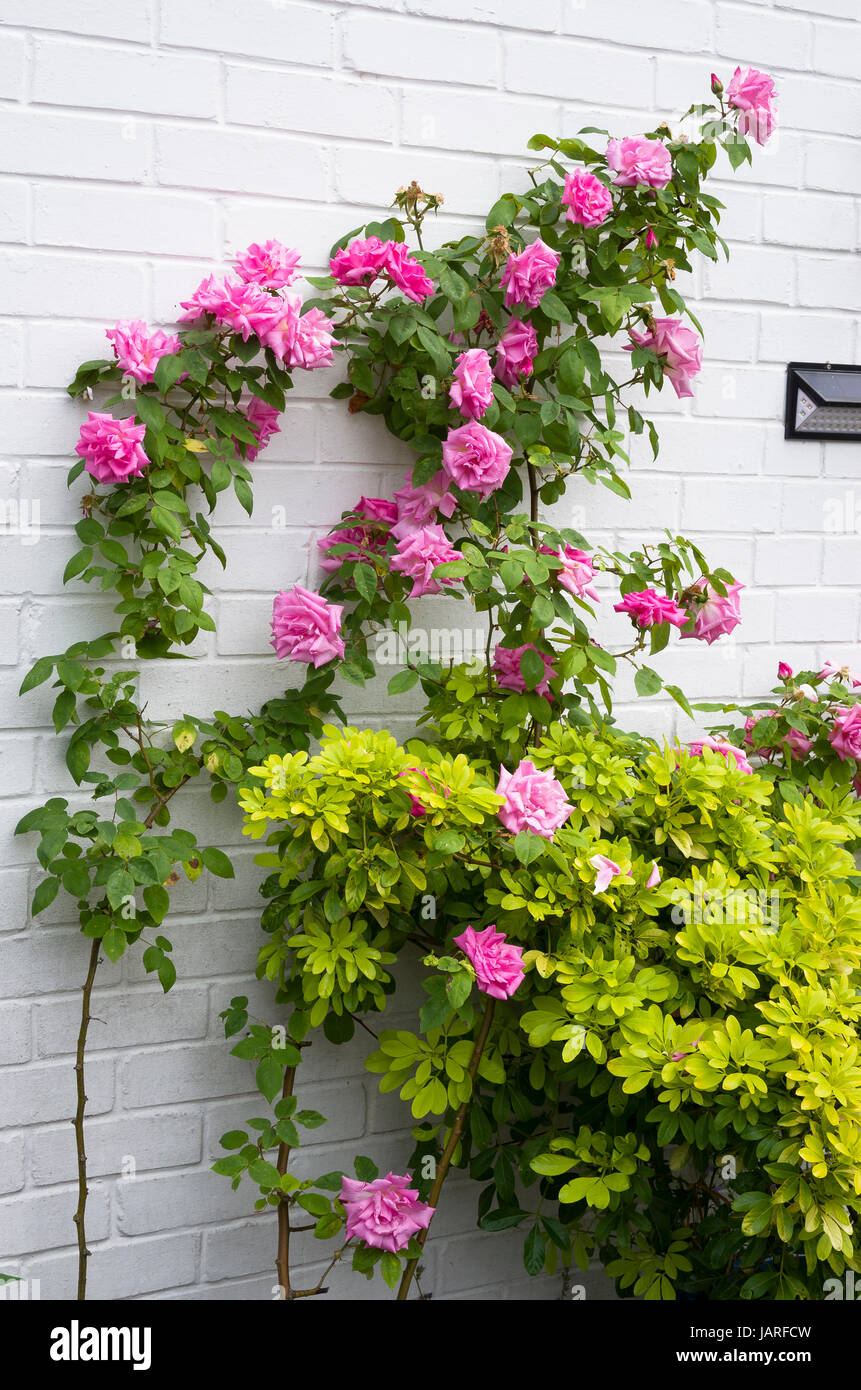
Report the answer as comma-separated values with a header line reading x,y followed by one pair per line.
x,y
141,144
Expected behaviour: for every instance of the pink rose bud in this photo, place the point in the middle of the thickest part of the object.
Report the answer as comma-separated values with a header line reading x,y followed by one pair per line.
x,y
717,85
305,627
385,1213
649,608
654,877
679,349
784,672
498,965
651,240
533,801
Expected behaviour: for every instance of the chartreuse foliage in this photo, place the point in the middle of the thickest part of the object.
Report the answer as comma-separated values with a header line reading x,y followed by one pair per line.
x,y
676,1084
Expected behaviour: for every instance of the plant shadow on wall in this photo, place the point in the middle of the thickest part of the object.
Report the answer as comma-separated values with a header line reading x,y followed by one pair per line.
x,y
640,1036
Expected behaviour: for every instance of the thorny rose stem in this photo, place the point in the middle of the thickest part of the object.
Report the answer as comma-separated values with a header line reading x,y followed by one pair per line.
x,y
78,1122
453,1141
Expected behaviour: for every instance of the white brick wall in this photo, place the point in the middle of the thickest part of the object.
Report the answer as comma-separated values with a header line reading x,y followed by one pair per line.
x,y
140,144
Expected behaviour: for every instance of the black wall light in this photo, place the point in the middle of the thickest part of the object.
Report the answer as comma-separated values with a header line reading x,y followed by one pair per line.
x,y
823,401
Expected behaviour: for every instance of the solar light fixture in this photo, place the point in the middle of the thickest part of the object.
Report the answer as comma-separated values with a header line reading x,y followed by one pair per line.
x,y
823,401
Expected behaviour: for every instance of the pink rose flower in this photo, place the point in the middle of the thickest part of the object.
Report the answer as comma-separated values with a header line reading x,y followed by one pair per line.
x,y
533,800
476,459
305,627
515,352
385,1213
272,265
363,260
244,307
607,870
784,672
498,965
360,262
717,745
313,345
842,673
719,613
405,271
417,506
845,736
506,665
799,744
373,536
679,349
416,807
638,160
471,391
577,571
751,92
527,276
417,555
589,201
112,450
139,351
263,420
377,509
648,608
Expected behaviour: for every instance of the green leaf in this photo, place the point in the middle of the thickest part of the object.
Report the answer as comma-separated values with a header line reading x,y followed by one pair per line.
x,y
166,522
265,1173
217,862
44,895
529,847
390,1268
647,681
365,580
269,1078
114,943
680,699
366,1169
233,1139
168,370
403,681
157,901
533,1252
37,674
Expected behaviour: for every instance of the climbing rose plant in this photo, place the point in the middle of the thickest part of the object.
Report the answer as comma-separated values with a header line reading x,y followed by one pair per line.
x,y
537,859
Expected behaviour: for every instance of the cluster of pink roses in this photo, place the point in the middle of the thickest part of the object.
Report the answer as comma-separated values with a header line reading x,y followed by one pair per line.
x,y
364,260
708,618
249,299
